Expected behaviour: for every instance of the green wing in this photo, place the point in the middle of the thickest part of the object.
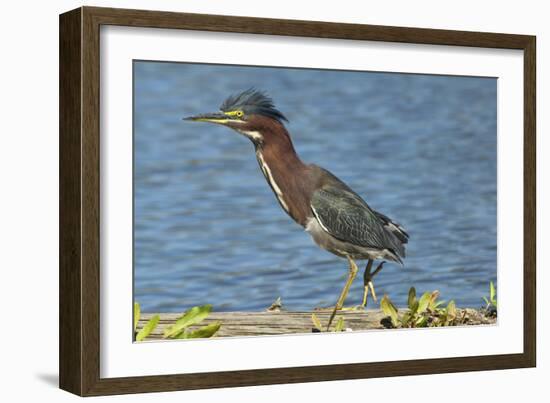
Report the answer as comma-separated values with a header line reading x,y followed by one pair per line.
x,y
347,217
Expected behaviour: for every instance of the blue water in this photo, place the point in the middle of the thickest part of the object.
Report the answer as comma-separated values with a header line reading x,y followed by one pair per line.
x,y
419,148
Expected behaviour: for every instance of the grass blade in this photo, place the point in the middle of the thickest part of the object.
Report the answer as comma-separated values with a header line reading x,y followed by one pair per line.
x,y
339,325
451,311
412,297
203,332
137,314
389,309
190,317
424,302
433,300
316,322
148,328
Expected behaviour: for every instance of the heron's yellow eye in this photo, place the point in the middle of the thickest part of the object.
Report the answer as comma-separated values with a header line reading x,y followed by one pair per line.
x,y
237,113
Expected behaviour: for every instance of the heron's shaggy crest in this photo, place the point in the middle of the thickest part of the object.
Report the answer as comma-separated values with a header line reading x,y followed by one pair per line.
x,y
251,102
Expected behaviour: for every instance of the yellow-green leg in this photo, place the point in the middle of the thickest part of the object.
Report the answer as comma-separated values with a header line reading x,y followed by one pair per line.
x,y
367,281
340,303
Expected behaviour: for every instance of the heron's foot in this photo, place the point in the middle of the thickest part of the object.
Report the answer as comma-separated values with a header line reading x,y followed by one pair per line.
x,y
368,284
368,287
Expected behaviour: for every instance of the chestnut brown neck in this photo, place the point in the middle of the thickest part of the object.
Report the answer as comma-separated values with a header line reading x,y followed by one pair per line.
x,y
286,174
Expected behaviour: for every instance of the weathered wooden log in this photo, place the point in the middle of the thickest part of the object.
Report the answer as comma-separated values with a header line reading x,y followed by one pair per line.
x,y
283,322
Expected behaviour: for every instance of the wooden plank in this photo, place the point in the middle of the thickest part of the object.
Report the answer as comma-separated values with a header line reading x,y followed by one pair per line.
x,y
278,323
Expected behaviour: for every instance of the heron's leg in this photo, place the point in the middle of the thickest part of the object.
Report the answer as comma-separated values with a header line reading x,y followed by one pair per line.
x,y
366,276
340,303
367,281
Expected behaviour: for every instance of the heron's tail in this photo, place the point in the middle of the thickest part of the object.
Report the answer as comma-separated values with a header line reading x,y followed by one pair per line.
x,y
395,228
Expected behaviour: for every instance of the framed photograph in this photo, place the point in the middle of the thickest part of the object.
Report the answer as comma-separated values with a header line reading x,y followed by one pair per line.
x,y
248,201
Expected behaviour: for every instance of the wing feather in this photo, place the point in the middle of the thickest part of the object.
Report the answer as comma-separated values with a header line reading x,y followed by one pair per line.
x,y
347,217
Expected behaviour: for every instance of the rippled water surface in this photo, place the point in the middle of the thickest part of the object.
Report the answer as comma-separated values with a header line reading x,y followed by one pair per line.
x,y
207,228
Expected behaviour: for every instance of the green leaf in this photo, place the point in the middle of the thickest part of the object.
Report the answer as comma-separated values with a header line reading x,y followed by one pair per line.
x,y
339,325
424,302
492,293
389,309
451,311
405,319
412,297
201,333
422,321
443,317
433,300
148,328
486,301
414,307
316,322
137,314
191,317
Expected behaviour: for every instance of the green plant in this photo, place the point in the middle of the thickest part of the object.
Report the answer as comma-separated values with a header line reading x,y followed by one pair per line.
x,y
149,326
339,327
180,329
492,300
425,311
195,315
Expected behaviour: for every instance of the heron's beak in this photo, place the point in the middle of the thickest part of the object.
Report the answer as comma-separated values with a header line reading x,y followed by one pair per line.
x,y
215,117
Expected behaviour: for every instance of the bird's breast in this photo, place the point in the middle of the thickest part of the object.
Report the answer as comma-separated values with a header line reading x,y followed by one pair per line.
x,y
326,241
318,233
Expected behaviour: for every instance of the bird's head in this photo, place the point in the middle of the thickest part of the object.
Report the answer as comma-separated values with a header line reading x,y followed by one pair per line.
x,y
251,113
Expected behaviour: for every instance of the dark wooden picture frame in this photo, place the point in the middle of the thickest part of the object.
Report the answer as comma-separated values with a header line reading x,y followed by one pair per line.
x,y
79,281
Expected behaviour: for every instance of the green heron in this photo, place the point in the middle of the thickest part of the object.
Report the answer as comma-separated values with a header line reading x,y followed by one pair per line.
x,y
337,218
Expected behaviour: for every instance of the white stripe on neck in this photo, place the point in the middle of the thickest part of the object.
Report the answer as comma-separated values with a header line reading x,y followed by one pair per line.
x,y
269,177
254,135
